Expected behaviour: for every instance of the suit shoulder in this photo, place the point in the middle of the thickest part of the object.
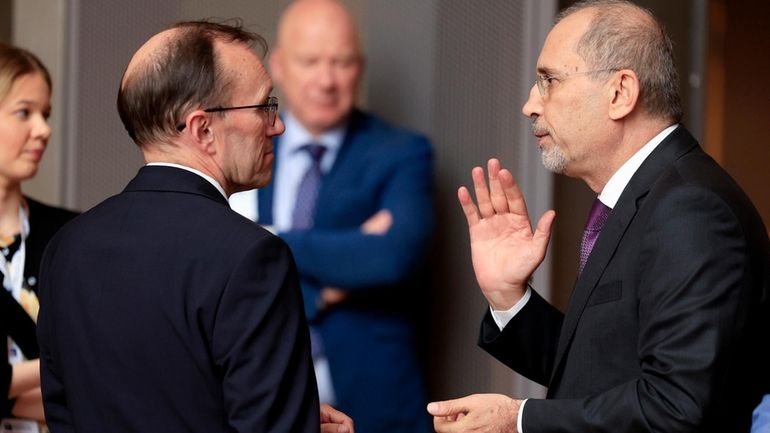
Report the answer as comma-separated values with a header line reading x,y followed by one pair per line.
x,y
698,171
235,229
696,183
388,134
43,212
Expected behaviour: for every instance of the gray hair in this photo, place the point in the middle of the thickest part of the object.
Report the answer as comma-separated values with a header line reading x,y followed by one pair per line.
x,y
623,35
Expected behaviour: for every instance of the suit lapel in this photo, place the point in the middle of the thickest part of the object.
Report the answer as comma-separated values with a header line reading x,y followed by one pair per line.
x,y
348,161
673,147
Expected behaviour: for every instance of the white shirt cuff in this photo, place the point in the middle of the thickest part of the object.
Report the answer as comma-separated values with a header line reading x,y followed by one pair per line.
x,y
502,317
521,416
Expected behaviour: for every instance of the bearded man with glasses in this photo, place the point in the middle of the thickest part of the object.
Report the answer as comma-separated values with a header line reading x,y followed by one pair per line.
x,y
667,325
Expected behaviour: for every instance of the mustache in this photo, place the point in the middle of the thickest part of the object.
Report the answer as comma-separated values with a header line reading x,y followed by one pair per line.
x,y
539,129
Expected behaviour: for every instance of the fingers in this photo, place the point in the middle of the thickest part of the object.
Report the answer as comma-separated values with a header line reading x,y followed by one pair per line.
x,y
447,408
332,296
497,195
446,414
469,208
335,428
543,230
482,192
513,196
378,224
334,421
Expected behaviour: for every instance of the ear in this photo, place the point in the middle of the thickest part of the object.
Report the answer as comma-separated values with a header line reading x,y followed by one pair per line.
x,y
624,93
199,124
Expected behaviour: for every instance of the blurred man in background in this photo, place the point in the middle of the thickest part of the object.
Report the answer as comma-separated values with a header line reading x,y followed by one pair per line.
x,y
352,198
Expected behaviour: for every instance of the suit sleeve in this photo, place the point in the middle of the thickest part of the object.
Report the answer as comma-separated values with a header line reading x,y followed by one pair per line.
x,y
261,345
692,293
536,328
351,260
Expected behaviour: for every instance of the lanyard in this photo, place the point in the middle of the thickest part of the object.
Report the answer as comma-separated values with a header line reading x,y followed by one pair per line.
x,y
14,272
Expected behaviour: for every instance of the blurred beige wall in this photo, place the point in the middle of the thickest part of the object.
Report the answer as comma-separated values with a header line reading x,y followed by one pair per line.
x,y
450,69
39,25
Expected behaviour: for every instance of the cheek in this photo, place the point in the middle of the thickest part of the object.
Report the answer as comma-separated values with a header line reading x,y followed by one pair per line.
x,y
12,140
348,85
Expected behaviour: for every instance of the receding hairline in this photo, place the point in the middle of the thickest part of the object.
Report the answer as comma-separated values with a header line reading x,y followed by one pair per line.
x,y
629,13
149,53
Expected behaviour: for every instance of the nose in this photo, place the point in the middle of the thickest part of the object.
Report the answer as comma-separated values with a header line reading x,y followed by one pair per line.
x,y
325,76
41,129
277,128
534,105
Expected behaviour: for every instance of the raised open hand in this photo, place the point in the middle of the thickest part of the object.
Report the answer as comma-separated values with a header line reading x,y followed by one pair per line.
x,y
504,249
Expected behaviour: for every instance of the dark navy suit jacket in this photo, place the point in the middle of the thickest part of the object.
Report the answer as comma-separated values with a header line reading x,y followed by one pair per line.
x,y
370,339
163,310
667,327
44,221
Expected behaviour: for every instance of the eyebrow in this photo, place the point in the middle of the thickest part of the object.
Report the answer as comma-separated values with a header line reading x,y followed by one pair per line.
x,y
545,70
31,103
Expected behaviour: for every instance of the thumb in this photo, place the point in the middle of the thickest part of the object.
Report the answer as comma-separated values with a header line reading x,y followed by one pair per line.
x,y
445,408
543,230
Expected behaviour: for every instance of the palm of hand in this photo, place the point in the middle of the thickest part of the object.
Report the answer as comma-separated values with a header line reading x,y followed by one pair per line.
x,y
503,252
504,249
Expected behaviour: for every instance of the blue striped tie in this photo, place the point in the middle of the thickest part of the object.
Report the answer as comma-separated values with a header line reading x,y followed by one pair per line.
x,y
307,192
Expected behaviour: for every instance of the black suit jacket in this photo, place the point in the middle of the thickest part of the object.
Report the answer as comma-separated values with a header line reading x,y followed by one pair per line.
x,y
667,327
16,323
164,310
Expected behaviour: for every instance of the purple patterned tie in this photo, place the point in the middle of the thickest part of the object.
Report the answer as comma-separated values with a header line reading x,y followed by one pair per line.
x,y
596,219
307,192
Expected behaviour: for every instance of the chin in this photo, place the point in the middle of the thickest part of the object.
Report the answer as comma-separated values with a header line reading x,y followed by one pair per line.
x,y
329,120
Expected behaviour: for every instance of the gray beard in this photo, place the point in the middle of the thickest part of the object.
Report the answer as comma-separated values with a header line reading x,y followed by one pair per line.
x,y
554,159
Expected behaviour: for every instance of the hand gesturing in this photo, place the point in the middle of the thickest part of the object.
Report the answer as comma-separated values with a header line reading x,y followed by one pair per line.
x,y
504,250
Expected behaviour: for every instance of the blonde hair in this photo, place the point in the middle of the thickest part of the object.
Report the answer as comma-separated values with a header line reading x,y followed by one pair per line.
x,y
16,62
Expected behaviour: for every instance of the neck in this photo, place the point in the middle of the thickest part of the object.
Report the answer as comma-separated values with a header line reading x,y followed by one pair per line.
x,y
205,165
10,200
633,136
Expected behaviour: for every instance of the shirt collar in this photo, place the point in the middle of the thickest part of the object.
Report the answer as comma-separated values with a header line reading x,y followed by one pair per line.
x,y
297,136
210,179
617,183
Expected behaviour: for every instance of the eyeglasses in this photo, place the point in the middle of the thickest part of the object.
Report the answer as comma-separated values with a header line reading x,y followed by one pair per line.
x,y
271,108
544,82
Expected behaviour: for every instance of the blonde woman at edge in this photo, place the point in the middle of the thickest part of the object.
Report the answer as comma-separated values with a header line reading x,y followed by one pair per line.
x,y
25,226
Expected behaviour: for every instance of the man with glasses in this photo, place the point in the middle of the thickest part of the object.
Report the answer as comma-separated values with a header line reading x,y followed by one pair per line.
x,y
352,198
667,326
162,309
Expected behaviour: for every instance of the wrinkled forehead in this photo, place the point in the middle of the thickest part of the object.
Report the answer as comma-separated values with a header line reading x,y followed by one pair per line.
x,y
559,53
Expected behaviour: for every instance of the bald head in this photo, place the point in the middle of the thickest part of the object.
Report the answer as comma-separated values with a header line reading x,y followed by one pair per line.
x,y
317,63
150,54
315,17
174,72
622,35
